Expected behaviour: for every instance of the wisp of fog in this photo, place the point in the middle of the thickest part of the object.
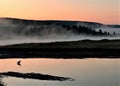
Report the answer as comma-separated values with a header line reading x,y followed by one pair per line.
x,y
11,33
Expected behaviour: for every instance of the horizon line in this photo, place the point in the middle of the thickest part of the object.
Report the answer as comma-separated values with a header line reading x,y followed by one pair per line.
x,y
29,19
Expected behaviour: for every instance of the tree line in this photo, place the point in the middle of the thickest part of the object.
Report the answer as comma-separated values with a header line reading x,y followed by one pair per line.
x,y
73,28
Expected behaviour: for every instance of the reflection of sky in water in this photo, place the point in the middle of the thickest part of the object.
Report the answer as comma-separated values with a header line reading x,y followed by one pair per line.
x,y
88,72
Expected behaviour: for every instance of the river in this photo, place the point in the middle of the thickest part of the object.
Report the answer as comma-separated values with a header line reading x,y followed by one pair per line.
x,y
85,72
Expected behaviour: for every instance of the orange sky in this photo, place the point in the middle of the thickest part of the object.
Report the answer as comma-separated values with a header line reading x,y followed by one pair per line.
x,y
104,11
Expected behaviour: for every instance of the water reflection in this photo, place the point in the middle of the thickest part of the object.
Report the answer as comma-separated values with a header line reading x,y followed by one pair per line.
x,y
86,72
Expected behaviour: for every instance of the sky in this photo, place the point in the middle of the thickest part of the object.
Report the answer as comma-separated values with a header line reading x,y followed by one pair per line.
x,y
103,11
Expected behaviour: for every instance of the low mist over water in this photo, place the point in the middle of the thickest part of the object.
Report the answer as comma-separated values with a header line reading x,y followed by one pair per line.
x,y
15,31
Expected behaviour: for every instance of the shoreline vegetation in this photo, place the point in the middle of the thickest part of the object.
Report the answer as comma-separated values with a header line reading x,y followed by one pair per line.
x,y
71,49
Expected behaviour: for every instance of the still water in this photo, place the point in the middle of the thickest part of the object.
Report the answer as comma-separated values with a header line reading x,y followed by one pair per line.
x,y
86,72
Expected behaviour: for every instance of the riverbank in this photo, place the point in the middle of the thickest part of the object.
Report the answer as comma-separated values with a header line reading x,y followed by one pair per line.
x,y
72,49
88,44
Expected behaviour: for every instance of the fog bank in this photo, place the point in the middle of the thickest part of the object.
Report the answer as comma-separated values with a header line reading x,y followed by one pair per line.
x,y
16,33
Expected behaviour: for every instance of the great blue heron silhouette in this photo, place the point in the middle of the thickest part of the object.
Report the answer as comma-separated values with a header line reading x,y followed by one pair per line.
x,y
19,62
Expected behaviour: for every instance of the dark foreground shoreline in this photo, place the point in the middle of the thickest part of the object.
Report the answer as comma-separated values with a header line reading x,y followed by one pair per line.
x,y
65,50
36,76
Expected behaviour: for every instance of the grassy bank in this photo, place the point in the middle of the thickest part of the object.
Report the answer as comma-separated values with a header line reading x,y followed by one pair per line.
x,y
73,49
104,44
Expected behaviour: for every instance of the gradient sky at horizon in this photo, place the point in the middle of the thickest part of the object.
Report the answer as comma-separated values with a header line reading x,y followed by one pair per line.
x,y
103,11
